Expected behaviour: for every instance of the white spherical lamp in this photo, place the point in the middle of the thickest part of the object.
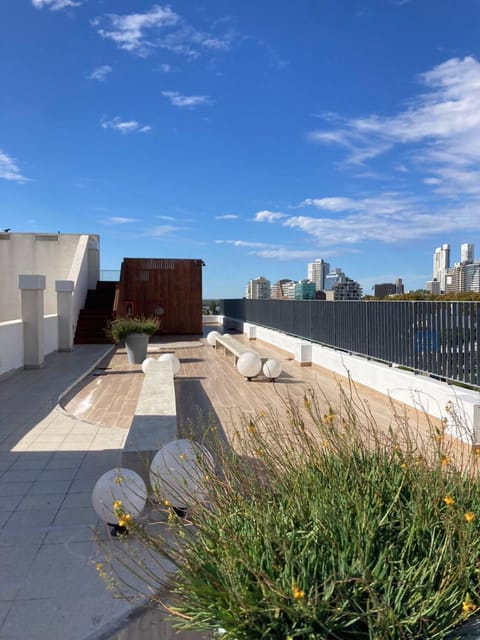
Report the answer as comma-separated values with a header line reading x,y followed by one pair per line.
x,y
119,491
272,368
179,473
249,364
212,338
148,365
172,358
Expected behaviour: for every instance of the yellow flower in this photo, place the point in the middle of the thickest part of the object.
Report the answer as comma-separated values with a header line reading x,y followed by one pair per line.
x,y
99,566
403,465
260,453
118,480
449,501
122,522
306,402
262,414
468,606
117,504
297,593
445,460
167,503
469,516
182,456
252,428
128,517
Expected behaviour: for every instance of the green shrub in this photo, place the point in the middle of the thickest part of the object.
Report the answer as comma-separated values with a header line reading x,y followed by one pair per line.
x,y
320,527
120,328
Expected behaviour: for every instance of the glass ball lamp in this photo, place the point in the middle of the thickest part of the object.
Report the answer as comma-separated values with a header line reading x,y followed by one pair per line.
x,y
119,495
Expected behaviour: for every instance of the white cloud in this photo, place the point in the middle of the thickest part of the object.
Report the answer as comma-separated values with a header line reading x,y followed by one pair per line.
x,y
125,126
440,128
100,73
55,5
331,204
268,216
161,230
9,169
271,251
165,217
179,100
165,68
129,31
283,253
227,216
243,243
120,220
159,28
386,218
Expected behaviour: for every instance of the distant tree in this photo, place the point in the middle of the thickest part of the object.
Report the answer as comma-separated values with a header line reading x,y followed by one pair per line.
x,y
212,306
422,294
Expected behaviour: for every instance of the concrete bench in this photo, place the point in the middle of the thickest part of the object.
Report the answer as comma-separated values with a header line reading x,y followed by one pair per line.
x,y
155,420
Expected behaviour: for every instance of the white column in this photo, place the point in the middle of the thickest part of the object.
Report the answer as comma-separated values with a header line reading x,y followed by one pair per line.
x,y
64,289
32,288
303,353
250,330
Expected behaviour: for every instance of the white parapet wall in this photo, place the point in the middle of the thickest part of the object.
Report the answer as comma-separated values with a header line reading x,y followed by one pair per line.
x,y
57,256
458,406
50,336
11,346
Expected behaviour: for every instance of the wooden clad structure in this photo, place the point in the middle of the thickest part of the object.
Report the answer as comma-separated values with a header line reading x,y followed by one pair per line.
x,y
168,288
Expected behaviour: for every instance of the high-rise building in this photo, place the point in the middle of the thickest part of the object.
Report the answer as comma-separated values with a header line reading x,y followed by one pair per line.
x,y
385,289
441,262
466,253
345,289
305,290
332,278
316,273
433,286
279,289
463,277
258,288
399,288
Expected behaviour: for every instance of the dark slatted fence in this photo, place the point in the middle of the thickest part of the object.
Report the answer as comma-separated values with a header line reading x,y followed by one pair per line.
x,y
439,338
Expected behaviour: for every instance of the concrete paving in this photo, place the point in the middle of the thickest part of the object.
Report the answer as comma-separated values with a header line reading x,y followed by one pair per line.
x,y
49,463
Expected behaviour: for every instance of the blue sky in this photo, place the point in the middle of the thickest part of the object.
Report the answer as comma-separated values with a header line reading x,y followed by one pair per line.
x,y
256,135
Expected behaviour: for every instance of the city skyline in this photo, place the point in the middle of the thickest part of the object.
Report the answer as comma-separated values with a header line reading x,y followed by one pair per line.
x,y
345,131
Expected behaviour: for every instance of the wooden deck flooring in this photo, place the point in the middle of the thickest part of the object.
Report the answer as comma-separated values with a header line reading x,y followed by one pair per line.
x,y
210,390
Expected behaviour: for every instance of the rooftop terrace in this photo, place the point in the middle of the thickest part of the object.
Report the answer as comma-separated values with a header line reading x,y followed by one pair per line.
x,y
51,456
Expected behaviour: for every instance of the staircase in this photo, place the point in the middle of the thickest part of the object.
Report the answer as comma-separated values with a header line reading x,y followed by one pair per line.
x,y
94,317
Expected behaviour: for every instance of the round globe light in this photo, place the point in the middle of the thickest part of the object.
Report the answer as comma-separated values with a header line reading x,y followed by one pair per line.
x,y
179,470
172,358
148,364
272,368
212,338
122,485
249,364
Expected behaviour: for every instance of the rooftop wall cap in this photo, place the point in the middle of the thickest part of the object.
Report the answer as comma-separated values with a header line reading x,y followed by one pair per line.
x,y
31,282
64,286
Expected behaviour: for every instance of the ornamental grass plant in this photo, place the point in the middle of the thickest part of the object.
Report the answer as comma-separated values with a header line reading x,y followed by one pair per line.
x,y
117,330
319,525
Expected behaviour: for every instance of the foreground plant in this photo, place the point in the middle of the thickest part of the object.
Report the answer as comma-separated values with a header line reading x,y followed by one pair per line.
x,y
320,526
